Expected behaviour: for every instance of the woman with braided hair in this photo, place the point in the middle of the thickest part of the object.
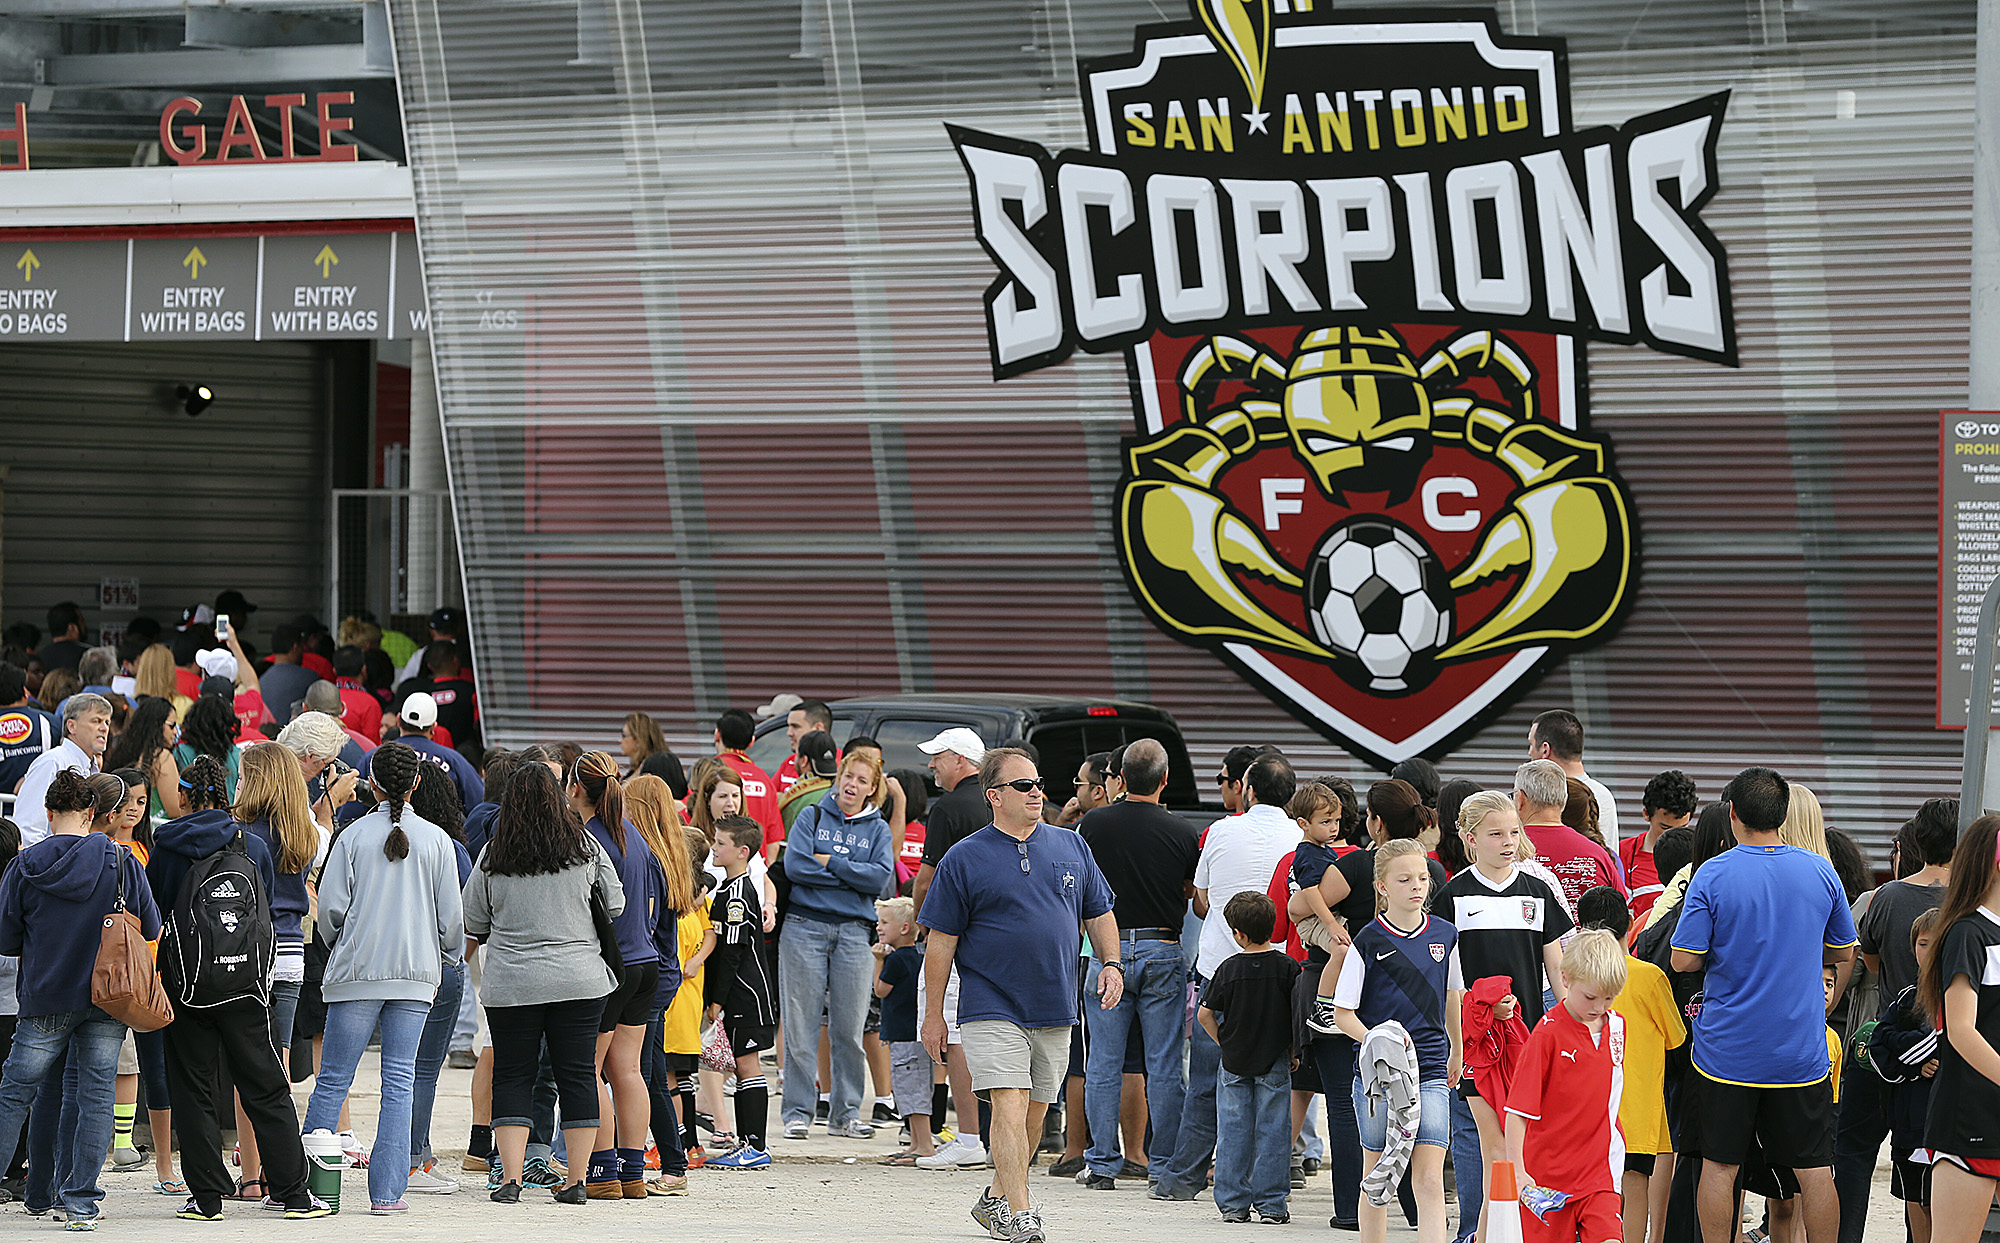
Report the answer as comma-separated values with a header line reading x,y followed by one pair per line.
x,y
618,1166
236,1030
389,907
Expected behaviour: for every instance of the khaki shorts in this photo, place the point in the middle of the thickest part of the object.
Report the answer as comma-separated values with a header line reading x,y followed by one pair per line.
x,y
1310,931
128,1055
1006,1055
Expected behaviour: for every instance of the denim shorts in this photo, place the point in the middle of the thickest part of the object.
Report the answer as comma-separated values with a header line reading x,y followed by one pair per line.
x,y
1433,1127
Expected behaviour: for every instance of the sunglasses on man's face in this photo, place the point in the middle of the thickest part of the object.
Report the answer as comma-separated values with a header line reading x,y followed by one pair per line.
x,y
1021,784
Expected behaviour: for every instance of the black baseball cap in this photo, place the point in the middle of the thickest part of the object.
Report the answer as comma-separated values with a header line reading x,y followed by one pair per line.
x,y
816,754
233,604
448,620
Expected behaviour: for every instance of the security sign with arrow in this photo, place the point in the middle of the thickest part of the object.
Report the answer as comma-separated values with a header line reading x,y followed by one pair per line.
x,y
193,262
27,263
325,261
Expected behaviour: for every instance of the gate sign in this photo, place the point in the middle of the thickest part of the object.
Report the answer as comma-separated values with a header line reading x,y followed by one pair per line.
x,y
1350,262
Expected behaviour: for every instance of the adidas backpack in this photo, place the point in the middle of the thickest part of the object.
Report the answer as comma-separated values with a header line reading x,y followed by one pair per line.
x,y
219,943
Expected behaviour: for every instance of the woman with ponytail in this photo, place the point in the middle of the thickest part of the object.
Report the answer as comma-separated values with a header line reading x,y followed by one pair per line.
x,y
618,1166
1395,812
389,907
53,901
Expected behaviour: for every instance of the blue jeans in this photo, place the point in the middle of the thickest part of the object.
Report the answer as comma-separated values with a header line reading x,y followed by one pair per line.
x,y
653,1064
1253,1148
284,1011
1155,999
435,1043
349,1024
1187,1171
1335,1055
92,1039
1466,1169
830,965
1433,1117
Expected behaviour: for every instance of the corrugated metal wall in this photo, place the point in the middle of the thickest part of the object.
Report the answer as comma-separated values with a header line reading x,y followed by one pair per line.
x,y
706,309
110,478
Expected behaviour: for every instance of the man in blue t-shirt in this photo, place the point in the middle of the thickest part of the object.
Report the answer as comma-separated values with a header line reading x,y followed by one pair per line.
x,y
1762,920
1004,908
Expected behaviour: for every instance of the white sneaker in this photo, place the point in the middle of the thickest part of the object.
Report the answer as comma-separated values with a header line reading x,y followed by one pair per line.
x,y
426,1181
945,1158
971,1153
357,1156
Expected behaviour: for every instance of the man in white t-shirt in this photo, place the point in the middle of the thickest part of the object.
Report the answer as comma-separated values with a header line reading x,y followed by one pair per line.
x,y
1241,854
1557,735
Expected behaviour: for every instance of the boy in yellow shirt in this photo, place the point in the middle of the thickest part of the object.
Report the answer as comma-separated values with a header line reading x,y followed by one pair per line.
x,y
1653,1025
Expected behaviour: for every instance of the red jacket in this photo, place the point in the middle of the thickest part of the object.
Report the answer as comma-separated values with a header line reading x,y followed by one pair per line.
x,y
1492,1049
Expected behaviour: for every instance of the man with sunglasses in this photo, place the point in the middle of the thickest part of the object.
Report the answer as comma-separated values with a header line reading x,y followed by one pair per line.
x,y
1090,790
1004,908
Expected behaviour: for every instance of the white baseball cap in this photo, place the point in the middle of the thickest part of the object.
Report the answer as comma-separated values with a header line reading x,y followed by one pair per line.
x,y
420,711
780,704
957,739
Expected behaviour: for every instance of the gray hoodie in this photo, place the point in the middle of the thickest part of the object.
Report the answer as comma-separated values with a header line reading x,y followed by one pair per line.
x,y
392,924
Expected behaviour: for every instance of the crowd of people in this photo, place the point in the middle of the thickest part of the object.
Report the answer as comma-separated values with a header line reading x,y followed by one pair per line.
x,y
1371,984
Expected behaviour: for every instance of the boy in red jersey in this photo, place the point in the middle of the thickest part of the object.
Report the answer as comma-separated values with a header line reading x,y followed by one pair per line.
x,y
1562,1112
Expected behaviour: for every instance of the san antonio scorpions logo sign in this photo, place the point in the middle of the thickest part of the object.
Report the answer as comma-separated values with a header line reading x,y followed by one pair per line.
x,y
1351,260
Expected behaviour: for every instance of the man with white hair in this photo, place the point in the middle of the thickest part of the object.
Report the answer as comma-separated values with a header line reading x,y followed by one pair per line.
x,y
1541,791
86,731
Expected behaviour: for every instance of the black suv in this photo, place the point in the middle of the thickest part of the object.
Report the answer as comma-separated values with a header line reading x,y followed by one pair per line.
x,y
1062,729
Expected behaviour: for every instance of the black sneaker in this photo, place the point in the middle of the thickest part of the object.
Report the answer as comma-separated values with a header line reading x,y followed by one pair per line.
x,y
573,1194
1342,1223
1067,1169
1240,1217
1132,1169
506,1193
1099,1182
1278,1218
1311,1165
885,1114
823,1111
1298,1175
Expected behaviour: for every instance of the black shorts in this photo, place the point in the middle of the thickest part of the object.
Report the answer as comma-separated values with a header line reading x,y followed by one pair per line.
x,y
631,1003
1468,1088
1793,1126
681,1065
1641,1163
1773,1182
1306,1077
747,1038
1910,1180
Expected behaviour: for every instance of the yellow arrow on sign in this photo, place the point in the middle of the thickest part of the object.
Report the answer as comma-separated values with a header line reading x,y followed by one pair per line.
x,y
325,260
27,263
192,261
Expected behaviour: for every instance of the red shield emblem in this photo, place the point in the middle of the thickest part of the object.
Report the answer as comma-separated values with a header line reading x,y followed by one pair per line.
x,y
1530,912
1361,472
1437,952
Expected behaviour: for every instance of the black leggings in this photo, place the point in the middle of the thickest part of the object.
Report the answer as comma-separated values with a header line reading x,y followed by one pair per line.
x,y
570,1028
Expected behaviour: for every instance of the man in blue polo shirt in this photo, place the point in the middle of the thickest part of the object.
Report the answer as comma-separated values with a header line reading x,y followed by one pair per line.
x,y
1004,908
419,718
1763,920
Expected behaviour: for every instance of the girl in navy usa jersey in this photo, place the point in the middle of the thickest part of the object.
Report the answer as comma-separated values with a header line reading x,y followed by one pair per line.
x,y
1403,967
1959,989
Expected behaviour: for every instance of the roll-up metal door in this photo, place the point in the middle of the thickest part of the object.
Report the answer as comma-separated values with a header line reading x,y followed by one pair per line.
x,y
706,308
110,478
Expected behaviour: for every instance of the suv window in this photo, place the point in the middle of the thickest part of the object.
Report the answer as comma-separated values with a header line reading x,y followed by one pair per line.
x,y
1064,744
769,749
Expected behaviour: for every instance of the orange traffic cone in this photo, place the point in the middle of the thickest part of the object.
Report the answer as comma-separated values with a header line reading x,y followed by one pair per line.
x,y
1503,1208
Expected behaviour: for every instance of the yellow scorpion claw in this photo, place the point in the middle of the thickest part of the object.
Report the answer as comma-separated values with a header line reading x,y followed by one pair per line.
x,y
1571,541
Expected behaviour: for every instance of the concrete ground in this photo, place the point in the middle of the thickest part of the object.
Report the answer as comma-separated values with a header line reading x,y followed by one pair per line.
x,y
817,1189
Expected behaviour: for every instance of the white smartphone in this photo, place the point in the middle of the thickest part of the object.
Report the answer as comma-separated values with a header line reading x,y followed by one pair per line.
x,y
222,627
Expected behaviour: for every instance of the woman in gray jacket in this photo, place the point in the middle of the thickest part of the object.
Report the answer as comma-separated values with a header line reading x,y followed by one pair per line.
x,y
544,978
389,908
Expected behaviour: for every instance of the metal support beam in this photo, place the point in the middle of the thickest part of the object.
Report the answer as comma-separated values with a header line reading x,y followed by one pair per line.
x,y
255,28
343,61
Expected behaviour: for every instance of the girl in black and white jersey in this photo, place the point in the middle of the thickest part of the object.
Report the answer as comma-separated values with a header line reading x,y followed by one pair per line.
x,y
1959,988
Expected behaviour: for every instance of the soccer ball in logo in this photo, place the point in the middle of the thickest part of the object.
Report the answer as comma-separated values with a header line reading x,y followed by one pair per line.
x,y
1377,595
